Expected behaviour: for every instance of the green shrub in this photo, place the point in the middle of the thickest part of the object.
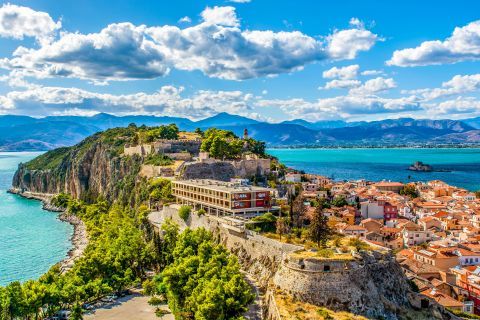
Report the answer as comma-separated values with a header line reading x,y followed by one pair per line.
x,y
184,212
325,253
158,160
358,244
201,212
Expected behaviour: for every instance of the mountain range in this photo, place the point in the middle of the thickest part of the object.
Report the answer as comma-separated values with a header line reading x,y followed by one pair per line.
x,y
20,133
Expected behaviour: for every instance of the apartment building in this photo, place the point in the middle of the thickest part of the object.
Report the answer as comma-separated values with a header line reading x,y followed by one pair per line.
x,y
222,198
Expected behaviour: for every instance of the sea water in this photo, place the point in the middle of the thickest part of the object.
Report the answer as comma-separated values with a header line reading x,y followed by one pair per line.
x,y
31,239
461,165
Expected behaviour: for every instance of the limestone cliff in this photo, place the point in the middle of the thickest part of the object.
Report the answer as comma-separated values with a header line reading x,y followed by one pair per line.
x,y
91,168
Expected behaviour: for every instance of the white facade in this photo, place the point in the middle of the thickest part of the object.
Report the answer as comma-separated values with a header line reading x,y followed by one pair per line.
x,y
416,237
371,210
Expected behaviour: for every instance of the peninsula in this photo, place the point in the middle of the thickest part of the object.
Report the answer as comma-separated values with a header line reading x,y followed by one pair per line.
x,y
297,237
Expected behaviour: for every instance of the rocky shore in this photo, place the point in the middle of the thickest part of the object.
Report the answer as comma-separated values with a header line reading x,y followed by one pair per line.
x,y
79,238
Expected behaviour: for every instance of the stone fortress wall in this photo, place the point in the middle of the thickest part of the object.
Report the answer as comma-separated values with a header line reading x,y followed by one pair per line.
x,y
372,284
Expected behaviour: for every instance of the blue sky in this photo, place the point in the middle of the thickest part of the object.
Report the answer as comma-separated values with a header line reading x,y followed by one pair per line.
x,y
271,60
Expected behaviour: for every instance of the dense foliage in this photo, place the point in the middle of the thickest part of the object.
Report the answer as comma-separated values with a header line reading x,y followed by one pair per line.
x,y
169,132
224,144
264,223
156,159
409,190
115,139
203,281
116,257
184,212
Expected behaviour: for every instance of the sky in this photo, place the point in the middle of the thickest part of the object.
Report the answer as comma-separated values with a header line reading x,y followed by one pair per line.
x,y
268,60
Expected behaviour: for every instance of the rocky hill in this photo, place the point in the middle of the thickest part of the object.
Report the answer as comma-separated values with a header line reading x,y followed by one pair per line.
x,y
91,168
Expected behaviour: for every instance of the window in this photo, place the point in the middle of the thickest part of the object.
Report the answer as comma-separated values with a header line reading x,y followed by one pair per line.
x,y
326,268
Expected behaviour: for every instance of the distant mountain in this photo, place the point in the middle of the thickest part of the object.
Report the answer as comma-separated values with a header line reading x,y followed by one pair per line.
x,y
474,122
26,133
472,136
281,134
225,119
43,135
326,124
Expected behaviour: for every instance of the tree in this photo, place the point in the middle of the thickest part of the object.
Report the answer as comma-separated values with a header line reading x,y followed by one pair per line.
x,y
339,202
76,312
204,280
199,132
282,227
409,190
319,231
184,212
299,211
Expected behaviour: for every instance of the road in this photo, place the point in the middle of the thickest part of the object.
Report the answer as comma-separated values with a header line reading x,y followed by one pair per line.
x,y
132,307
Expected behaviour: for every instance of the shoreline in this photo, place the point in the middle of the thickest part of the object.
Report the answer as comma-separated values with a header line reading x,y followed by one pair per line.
x,y
79,237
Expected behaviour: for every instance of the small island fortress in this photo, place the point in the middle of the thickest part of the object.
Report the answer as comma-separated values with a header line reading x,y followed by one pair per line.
x,y
420,166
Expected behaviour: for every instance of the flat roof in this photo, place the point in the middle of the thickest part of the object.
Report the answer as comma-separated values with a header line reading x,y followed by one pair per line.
x,y
218,185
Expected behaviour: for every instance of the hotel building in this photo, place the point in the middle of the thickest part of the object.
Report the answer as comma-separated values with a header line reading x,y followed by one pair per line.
x,y
218,197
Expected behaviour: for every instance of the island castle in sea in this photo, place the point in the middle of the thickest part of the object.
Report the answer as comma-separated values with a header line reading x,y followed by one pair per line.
x,y
420,166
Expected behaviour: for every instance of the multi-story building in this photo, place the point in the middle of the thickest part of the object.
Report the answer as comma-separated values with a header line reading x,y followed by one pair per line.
x,y
379,209
218,197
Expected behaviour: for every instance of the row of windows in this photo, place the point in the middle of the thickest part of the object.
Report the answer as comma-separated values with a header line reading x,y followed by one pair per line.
x,y
201,190
202,198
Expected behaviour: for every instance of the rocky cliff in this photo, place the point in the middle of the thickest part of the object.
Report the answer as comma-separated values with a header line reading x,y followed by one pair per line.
x,y
91,168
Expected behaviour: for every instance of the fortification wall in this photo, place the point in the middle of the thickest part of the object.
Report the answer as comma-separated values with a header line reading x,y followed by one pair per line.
x,y
225,170
259,255
372,285
150,171
251,167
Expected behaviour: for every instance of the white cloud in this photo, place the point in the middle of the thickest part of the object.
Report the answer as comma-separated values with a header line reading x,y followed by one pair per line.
x,y
119,52
457,85
373,86
372,73
217,47
346,44
342,106
221,16
462,45
348,72
168,100
18,22
357,23
240,1
185,19
460,106
341,84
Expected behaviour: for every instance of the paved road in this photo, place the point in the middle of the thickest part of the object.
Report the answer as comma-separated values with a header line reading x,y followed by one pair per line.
x,y
132,307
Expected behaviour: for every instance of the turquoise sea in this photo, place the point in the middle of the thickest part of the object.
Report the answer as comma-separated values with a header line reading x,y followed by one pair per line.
x,y
389,164
31,239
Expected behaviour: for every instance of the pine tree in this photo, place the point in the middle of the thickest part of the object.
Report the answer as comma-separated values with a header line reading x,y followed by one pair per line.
x,y
319,231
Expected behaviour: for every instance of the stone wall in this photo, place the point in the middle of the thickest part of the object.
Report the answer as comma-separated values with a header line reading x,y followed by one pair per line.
x,y
225,170
176,146
141,150
260,256
372,285
250,167
150,171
